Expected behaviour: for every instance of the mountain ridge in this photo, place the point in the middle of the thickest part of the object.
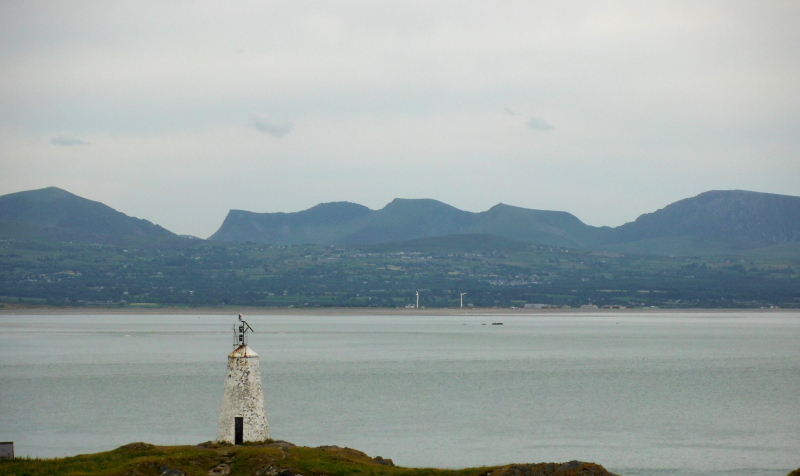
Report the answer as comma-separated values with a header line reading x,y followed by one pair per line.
x,y
717,221
713,222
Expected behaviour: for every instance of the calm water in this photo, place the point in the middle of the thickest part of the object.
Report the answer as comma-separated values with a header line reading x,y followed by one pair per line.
x,y
642,394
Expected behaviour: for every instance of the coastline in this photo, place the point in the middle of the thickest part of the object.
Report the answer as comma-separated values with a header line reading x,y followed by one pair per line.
x,y
368,311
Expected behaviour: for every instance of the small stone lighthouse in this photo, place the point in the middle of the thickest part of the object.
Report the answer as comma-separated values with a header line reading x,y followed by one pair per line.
x,y
242,416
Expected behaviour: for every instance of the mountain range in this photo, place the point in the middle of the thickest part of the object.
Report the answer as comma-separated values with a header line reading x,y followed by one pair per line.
x,y
714,222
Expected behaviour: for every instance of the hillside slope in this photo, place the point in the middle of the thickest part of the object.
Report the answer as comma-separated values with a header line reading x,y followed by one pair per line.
x,y
722,220
55,214
323,223
534,226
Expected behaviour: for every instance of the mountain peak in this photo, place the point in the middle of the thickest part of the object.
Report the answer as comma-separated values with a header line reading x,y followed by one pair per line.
x,y
417,205
742,219
58,214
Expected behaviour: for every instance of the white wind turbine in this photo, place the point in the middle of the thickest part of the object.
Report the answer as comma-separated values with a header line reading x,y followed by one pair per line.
x,y
462,299
417,299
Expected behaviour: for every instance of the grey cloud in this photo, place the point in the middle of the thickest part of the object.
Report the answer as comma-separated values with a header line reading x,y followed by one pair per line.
x,y
539,124
511,112
263,123
67,140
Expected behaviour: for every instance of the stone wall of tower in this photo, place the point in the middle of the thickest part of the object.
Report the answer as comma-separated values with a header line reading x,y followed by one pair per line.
x,y
243,397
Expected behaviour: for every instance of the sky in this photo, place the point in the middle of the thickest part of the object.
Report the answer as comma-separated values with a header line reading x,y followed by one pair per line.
x,y
178,112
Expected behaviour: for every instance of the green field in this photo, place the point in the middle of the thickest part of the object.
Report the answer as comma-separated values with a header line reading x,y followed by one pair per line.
x,y
494,272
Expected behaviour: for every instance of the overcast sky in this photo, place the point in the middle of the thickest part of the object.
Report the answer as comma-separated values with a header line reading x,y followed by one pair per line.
x,y
180,111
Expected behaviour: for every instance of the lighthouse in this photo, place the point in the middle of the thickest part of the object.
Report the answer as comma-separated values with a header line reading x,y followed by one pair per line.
x,y
242,416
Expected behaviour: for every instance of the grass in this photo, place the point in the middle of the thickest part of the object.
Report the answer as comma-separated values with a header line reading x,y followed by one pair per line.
x,y
265,459
262,459
259,459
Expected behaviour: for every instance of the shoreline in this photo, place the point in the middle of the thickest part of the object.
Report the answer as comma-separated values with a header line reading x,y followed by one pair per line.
x,y
367,311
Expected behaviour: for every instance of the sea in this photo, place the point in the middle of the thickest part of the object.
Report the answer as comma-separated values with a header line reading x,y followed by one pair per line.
x,y
641,393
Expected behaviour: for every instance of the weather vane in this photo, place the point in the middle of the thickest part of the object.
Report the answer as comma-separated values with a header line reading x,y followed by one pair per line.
x,y
240,334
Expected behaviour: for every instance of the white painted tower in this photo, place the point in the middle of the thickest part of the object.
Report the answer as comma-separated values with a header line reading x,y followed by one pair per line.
x,y
242,416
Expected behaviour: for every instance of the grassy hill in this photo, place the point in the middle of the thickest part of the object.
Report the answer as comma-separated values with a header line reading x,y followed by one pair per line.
x,y
720,220
57,215
262,459
534,226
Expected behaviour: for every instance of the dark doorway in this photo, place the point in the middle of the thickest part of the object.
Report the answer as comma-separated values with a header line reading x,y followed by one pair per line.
x,y
238,430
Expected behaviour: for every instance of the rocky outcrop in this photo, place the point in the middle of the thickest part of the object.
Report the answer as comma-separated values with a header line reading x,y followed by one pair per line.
x,y
572,468
383,461
165,470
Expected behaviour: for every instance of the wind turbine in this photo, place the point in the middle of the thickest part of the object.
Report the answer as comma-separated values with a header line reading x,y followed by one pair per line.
x,y
462,299
417,299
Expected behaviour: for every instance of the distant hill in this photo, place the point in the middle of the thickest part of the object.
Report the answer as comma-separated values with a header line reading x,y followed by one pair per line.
x,y
404,219
715,222
453,244
542,227
401,220
55,214
324,223
711,223
730,220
